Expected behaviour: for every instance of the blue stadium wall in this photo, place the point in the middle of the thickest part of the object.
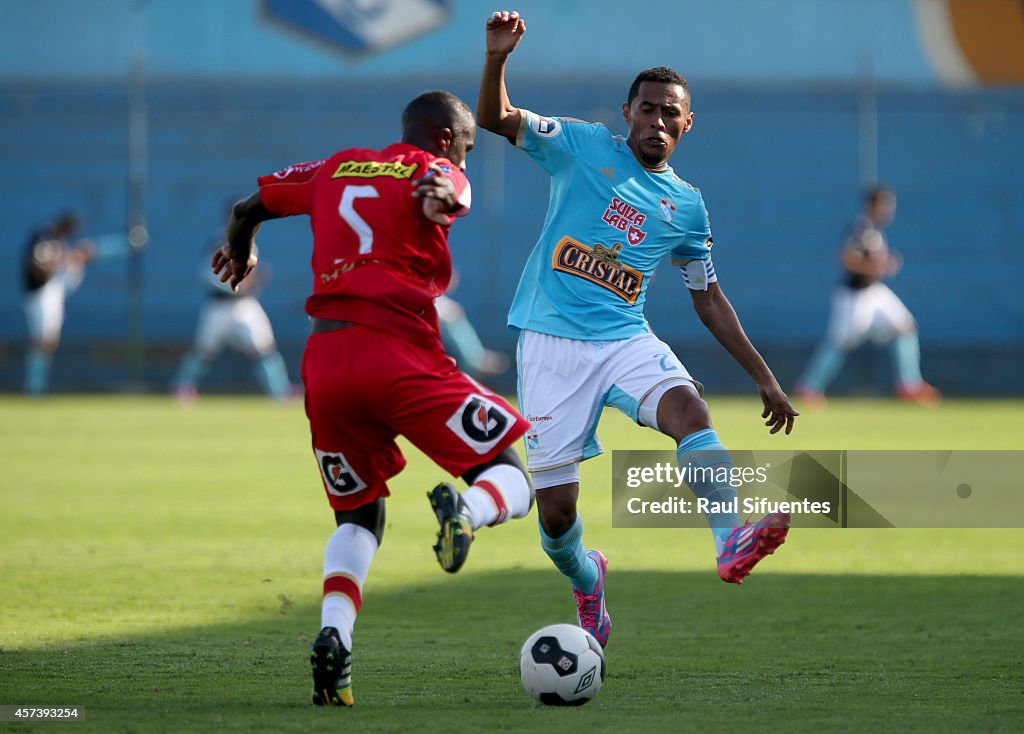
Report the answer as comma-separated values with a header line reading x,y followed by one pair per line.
x,y
780,163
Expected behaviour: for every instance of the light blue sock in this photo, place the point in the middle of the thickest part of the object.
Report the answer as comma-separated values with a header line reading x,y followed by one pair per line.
x,y
824,366
273,375
906,357
703,450
37,371
192,368
569,556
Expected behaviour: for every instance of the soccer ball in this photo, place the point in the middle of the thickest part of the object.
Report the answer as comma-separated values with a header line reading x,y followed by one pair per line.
x,y
562,665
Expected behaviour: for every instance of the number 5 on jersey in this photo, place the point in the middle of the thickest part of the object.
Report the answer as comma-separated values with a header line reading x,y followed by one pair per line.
x,y
347,212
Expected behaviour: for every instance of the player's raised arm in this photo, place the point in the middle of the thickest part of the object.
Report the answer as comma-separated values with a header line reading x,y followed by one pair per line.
x,y
721,320
494,111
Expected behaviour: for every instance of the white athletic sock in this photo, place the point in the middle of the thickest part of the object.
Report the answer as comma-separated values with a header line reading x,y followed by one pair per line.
x,y
346,564
497,494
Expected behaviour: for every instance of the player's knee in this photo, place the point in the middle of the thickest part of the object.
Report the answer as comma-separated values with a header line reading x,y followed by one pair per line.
x,y
555,519
682,412
556,508
370,516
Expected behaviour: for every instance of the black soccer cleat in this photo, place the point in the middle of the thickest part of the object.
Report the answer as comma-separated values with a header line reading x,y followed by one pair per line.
x,y
456,531
332,670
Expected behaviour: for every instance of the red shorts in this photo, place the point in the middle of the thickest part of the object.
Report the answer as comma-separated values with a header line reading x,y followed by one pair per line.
x,y
365,387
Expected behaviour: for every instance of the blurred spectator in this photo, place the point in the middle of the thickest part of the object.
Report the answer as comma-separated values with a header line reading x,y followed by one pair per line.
x,y
53,269
864,308
235,319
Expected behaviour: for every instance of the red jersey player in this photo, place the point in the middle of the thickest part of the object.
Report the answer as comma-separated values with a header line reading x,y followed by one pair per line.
x,y
374,366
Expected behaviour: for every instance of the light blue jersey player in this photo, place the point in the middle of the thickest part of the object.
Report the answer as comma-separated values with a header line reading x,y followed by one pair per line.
x,y
616,210
610,222
583,289
864,308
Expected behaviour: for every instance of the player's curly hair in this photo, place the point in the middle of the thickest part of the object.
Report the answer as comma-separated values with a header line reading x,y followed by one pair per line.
x,y
661,74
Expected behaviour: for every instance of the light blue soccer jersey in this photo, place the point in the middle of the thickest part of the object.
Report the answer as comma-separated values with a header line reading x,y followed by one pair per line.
x,y
609,222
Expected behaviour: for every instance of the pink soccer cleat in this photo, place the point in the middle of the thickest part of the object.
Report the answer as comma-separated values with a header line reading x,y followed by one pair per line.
x,y
590,609
922,394
747,545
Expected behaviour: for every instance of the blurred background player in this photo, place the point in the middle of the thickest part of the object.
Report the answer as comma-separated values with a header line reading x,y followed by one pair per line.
x,y
374,366
461,340
616,210
53,269
236,319
864,308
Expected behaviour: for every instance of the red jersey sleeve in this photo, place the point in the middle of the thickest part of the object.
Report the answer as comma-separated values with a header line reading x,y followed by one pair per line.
x,y
290,190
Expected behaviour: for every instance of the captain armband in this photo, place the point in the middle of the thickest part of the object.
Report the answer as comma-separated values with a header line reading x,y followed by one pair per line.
x,y
698,274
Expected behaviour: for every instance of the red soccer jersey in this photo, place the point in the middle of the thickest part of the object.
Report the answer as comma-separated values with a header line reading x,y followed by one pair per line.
x,y
377,259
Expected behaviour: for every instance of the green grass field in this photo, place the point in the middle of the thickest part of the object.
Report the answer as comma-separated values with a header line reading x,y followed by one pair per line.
x,y
161,567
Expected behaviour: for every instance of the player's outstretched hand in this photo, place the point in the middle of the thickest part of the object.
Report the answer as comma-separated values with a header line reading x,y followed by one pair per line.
x,y
777,409
504,31
232,270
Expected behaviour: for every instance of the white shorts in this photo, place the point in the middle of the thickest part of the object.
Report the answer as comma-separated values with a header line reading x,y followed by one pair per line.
x,y
859,314
565,383
240,323
44,307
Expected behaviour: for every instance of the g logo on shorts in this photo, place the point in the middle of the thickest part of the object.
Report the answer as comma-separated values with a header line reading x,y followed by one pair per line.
x,y
339,477
480,423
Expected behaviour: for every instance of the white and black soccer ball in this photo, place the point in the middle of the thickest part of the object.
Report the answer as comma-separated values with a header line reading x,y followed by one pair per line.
x,y
562,665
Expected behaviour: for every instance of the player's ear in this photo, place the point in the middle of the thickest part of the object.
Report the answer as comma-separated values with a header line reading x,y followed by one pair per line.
x,y
688,122
443,140
625,112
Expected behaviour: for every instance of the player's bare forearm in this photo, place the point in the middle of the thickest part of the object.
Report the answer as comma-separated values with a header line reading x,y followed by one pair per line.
x,y
236,259
494,111
246,217
718,315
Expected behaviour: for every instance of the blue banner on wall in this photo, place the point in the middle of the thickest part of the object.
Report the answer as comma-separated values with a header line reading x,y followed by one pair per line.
x,y
358,26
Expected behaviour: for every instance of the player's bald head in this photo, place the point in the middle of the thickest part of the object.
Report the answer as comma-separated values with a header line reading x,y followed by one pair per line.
x,y
440,123
435,110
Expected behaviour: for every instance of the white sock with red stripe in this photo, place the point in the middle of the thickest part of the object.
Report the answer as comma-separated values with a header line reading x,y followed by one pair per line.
x,y
497,494
346,563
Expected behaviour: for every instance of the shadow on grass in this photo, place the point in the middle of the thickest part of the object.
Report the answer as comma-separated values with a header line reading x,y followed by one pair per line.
x,y
687,652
